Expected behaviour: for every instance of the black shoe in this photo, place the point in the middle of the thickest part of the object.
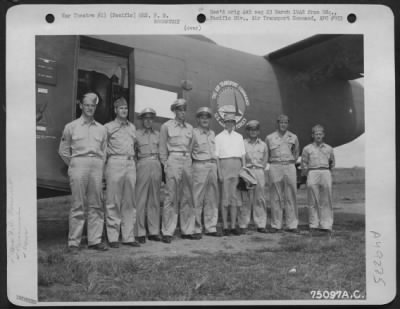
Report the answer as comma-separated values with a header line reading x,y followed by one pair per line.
x,y
274,230
73,249
295,231
262,230
197,236
188,236
235,232
243,231
114,244
227,232
214,234
166,239
141,239
99,247
154,237
131,244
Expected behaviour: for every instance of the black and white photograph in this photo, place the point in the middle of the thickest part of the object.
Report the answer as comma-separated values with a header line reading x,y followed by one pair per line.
x,y
201,167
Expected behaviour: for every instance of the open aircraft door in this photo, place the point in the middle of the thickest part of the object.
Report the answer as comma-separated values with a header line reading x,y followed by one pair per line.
x,y
66,68
56,58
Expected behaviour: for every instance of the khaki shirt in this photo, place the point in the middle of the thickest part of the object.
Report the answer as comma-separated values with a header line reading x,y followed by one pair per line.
x,y
175,137
203,147
147,142
121,138
282,149
315,156
256,153
82,138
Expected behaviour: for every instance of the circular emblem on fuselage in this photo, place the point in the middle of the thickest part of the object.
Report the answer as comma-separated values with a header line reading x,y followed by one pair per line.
x,y
229,97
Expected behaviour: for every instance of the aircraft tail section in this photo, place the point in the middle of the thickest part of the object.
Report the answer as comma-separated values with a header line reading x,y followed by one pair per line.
x,y
321,57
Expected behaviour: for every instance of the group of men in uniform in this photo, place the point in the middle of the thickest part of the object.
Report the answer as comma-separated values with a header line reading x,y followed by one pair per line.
x,y
201,172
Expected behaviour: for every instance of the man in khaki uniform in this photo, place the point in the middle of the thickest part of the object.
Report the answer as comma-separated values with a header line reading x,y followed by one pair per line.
x,y
283,151
175,154
230,152
121,178
148,178
254,202
205,178
317,161
83,148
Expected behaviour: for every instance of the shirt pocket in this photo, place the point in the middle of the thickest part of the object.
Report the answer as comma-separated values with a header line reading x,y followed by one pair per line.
x,y
203,146
175,137
274,148
144,147
188,137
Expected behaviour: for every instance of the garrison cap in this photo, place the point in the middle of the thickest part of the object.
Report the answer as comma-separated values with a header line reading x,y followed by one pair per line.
x,y
91,96
120,102
204,110
282,117
147,110
178,103
253,124
229,117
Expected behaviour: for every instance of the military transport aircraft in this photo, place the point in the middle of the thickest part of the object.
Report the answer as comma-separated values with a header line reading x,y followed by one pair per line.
x,y
312,81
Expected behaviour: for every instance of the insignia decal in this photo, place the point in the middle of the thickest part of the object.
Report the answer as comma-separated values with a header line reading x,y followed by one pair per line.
x,y
229,96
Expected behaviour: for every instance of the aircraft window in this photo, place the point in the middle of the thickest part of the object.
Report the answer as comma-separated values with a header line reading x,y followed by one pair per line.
x,y
158,99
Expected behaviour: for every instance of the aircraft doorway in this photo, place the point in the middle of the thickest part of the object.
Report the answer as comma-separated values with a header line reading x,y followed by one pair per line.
x,y
104,73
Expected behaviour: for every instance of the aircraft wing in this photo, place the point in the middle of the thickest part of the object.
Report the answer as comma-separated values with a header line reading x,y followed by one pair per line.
x,y
338,56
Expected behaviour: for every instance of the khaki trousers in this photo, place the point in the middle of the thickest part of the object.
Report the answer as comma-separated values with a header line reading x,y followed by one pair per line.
x,y
179,198
283,189
148,196
205,195
120,201
85,176
254,203
319,188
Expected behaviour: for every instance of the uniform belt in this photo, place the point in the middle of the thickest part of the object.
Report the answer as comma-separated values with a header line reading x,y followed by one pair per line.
x,y
122,157
205,161
283,162
179,153
254,167
89,155
318,168
150,157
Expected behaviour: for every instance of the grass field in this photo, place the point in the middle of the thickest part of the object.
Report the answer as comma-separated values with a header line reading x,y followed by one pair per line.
x,y
249,267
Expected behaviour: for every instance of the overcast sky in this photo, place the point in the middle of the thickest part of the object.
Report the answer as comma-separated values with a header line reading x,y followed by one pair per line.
x,y
348,155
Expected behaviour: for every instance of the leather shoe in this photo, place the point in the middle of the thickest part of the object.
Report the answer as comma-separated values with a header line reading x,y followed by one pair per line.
x,y
73,249
214,234
166,239
227,232
99,247
141,239
154,237
235,232
197,236
131,243
274,230
187,236
114,244
261,230
295,231
243,231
